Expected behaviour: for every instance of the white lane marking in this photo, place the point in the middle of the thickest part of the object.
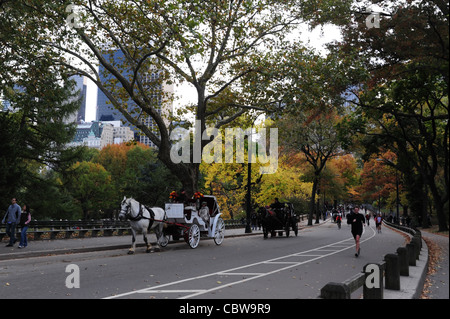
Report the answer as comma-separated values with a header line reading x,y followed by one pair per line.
x,y
170,291
239,273
254,276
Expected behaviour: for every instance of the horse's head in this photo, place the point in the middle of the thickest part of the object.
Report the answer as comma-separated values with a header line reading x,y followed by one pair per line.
x,y
124,208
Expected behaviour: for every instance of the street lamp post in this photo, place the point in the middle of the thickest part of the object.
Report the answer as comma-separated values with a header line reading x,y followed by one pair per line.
x,y
248,197
397,199
379,202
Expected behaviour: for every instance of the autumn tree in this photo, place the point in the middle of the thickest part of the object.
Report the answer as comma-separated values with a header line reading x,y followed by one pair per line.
x,y
378,181
316,137
345,174
136,171
402,98
213,45
228,182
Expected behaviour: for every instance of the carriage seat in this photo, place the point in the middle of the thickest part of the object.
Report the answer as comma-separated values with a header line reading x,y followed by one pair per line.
x,y
188,211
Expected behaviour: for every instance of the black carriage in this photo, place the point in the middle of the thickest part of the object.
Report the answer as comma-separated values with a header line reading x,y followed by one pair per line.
x,y
279,219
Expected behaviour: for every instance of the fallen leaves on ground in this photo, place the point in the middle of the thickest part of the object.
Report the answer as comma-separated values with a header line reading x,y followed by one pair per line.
x,y
434,257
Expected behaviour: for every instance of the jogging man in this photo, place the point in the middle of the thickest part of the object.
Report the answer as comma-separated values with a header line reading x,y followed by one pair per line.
x,y
357,221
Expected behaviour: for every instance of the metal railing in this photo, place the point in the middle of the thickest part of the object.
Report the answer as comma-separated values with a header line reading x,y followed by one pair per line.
x,y
64,229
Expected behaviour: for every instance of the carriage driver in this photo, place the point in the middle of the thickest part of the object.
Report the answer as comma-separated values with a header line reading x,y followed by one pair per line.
x,y
278,209
204,213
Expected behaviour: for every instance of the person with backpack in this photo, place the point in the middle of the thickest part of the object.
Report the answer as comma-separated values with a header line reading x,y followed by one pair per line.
x,y
339,220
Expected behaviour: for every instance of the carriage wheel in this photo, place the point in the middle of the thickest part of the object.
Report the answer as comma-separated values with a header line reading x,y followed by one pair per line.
x,y
286,229
295,229
220,231
193,236
163,240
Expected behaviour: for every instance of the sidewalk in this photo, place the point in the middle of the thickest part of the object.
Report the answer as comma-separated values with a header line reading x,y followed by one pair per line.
x,y
437,281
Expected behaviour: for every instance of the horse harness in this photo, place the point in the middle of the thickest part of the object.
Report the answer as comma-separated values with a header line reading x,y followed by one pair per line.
x,y
140,215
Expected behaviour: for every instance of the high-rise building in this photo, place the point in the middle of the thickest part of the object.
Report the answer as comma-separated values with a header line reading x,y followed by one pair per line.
x,y
81,116
107,112
5,105
81,87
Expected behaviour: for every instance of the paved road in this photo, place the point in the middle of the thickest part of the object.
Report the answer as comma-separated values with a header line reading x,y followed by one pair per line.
x,y
242,267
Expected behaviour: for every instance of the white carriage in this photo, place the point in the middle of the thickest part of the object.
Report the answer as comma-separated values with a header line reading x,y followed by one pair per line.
x,y
184,221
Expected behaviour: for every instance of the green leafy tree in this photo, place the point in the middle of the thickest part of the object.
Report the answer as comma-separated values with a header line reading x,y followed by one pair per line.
x,y
91,187
213,45
136,171
401,99
34,134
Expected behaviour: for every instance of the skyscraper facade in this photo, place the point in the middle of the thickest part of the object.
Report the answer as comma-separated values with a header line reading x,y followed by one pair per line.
x,y
107,112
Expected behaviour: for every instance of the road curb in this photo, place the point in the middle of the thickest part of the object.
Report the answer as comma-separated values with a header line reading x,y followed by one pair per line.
x,y
68,251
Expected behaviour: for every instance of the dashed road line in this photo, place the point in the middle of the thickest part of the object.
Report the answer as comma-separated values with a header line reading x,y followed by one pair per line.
x,y
341,246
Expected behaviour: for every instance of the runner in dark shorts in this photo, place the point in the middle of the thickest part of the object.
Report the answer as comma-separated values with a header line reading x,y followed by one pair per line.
x,y
357,221
378,221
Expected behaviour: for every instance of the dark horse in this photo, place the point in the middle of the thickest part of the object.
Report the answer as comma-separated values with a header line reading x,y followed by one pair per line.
x,y
278,219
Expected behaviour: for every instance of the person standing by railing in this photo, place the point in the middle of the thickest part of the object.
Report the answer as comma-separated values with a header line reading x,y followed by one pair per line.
x,y
12,217
25,219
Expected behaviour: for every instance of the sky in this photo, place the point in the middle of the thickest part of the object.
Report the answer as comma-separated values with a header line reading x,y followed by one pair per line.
x,y
186,94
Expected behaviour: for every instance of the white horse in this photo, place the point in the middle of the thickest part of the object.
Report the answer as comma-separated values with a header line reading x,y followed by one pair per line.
x,y
142,220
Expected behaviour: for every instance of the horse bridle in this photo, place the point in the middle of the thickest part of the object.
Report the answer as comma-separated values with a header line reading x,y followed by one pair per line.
x,y
127,214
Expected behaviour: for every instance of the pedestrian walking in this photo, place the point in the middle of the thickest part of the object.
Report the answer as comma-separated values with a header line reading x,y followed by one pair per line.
x,y
357,221
254,220
11,218
368,219
25,219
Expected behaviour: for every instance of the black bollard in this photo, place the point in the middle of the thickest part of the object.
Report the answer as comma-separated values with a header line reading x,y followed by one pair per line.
x,y
416,242
411,253
392,280
402,253
419,239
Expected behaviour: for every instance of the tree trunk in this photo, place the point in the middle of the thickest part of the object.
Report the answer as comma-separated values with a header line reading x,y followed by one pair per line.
x,y
187,173
439,206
